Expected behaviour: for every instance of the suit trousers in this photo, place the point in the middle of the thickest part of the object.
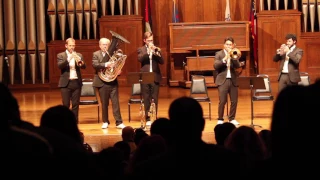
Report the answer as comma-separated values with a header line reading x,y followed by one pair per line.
x,y
149,92
72,92
227,88
107,92
284,81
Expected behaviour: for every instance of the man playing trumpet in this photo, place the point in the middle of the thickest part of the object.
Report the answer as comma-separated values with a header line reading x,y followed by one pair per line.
x,y
150,57
70,83
289,56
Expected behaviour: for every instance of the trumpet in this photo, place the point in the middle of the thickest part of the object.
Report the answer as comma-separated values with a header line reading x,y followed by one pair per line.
x,y
280,51
152,111
142,116
77,59
154,49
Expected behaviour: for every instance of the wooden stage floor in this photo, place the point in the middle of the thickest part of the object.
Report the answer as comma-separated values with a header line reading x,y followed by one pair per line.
x,y
34,103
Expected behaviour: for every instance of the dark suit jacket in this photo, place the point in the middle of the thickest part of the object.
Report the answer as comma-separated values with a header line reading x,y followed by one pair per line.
x,y
63,65
293,64
98,64
143,58
222,69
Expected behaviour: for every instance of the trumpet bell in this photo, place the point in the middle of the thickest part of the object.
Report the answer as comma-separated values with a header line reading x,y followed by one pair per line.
x,y
79,63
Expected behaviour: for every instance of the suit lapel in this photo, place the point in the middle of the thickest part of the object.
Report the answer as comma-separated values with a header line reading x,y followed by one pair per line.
x,y
294,50
144,49
65,56
100,56
224,53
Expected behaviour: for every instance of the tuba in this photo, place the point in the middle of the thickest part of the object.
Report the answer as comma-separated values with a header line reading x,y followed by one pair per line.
x,y
115,56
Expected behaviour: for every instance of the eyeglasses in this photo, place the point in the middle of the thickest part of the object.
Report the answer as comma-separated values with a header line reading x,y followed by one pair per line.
x,y
149,40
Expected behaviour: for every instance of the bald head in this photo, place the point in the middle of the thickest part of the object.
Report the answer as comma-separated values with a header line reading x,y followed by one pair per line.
x,y
104,44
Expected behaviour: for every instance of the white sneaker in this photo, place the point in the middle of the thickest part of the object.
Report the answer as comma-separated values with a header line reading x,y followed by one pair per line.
x,y
104,126
235,122
220,122
121,126
148,123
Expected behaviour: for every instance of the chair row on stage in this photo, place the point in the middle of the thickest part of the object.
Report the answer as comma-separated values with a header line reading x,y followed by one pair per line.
x,y
259,86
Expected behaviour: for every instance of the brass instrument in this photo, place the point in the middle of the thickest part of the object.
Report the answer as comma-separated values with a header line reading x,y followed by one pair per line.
x,y
152,111
154,49
142,115
235,53
116,57
77,59
280,51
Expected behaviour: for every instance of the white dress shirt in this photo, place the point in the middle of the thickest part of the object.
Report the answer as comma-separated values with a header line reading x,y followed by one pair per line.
x,y
286,62
72,65
150,58
228,65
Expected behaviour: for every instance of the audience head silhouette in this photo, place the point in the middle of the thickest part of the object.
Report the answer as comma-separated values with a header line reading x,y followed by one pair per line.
x,y
222,131
185,113
61,119
127,133
9,110
162,127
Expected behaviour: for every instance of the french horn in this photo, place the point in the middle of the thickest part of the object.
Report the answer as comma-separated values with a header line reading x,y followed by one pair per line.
x,y
114,56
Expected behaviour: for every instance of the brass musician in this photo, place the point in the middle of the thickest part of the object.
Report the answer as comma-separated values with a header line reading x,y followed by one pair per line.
x,y
70,63
150,58
289,57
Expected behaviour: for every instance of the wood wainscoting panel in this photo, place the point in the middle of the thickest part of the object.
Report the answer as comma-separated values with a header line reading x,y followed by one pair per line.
x,y
272,29
310,62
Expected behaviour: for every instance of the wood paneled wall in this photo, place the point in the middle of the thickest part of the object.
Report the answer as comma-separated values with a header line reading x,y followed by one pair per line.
x,y
190,11
273,25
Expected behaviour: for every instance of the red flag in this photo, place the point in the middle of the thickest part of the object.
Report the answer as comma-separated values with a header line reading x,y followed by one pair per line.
x,y
148,16
175,14
253,19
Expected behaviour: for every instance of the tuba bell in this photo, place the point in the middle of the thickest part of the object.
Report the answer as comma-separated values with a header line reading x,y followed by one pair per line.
x,y
115,56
